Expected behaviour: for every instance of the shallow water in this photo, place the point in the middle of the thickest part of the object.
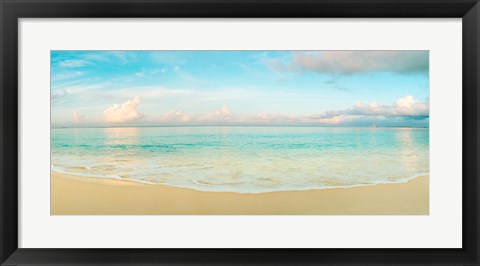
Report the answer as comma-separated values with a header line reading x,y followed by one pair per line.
x,y
244,159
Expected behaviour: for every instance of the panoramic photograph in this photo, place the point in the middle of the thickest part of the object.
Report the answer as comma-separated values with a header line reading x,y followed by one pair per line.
x,y
213,132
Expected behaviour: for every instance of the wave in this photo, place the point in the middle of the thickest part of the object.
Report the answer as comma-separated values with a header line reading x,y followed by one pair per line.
x,y
206,186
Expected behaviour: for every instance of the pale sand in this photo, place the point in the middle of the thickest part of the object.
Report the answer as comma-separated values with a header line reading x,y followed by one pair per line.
x,y
72,195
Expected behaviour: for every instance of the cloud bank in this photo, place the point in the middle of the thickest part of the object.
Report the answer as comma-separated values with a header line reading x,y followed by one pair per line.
x,y
405,111
405,107
175,116
353,62
123,113
223,114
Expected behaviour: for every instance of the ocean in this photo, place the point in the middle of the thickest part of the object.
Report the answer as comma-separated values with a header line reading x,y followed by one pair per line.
x,y
244,159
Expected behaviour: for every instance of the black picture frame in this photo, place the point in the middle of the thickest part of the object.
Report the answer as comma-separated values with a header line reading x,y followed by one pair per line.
x,y
12,10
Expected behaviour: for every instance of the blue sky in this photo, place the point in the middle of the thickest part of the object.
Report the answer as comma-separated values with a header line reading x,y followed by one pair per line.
x,y
325,88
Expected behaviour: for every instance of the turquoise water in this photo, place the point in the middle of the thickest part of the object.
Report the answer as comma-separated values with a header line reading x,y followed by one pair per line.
x,y
244,159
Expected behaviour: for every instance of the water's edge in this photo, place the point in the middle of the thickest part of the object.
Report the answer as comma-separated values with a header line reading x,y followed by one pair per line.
x,y
60,170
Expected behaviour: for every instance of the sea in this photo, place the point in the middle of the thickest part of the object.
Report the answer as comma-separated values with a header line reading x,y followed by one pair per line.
x,y
244,159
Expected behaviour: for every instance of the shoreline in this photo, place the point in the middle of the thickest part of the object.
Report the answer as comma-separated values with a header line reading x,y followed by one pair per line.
x,y
78,195
403,180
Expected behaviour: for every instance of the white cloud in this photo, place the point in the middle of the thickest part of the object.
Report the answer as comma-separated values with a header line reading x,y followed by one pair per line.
x,y
175,116
336,119
66,75
405,107
408,106
404,111
71,63
125,112
221,115
154,71
139,74
77,118
351,62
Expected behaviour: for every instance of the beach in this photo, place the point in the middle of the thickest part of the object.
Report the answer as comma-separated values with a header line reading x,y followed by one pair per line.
x,y
78,195
239,132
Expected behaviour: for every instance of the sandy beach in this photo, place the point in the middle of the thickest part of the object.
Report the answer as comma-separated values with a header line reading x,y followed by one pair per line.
x,y
73,195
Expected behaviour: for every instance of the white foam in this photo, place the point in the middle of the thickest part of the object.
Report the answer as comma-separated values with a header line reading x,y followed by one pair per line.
x,y
218,188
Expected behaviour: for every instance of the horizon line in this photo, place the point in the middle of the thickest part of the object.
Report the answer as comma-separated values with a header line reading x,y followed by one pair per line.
x,y
146,126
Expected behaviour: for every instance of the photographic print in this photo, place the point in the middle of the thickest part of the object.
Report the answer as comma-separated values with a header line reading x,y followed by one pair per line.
x,y
239,132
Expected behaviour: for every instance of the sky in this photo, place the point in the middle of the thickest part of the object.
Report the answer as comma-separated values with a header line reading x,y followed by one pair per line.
x,y
304,88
